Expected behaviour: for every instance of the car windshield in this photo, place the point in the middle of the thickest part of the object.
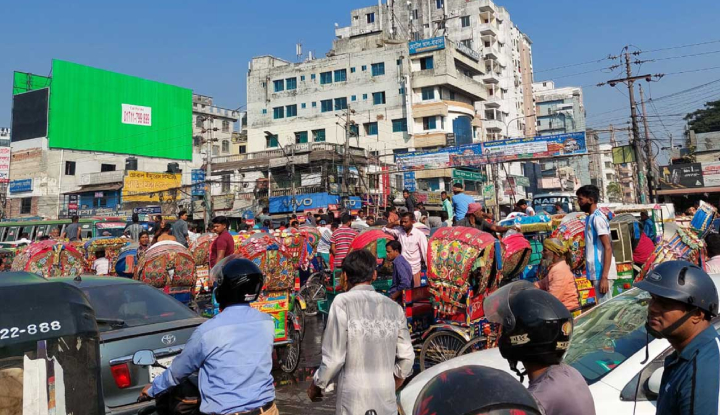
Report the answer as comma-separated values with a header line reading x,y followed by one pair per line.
x,y
132,305
551,209
606,336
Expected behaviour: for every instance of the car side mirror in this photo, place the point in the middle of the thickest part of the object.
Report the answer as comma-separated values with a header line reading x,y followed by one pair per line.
x,y
144,358
652,385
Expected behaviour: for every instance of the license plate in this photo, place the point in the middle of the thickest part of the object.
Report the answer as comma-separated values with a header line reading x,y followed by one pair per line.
x,y
157,371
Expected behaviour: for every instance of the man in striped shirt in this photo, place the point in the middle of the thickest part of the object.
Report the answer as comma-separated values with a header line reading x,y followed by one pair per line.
x,y
341,240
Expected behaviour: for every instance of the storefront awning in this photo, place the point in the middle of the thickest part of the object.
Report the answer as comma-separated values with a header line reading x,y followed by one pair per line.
x,y
689,191
96,188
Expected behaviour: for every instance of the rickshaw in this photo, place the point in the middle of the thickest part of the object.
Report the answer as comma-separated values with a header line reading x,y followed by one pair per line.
x,y
39,371
200,250
170,267
677,244
276,298
108,244
571,231
7,255
124,265
464,266
50,259
625,232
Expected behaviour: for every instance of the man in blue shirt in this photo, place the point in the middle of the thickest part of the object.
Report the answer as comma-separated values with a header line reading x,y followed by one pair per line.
x,y
648,226
598,250
684,301
402,278
232,352
460,202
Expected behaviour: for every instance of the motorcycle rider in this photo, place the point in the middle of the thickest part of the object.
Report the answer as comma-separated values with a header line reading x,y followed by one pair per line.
x,y
684,301
232,352
474,389
536,331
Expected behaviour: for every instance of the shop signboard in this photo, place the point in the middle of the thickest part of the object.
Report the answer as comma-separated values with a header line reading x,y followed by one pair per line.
x,y
73,201
522,181
142,186
198,181
284,204
148,210
711,173
489,194
21,186
479,154
426,45
468,175
5,164
409,182
681,176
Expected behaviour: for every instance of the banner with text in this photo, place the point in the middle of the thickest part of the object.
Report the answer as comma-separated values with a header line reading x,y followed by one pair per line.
x,y
142,186
681,176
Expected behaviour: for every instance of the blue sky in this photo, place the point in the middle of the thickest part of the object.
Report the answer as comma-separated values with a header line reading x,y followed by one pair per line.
x,y
206,46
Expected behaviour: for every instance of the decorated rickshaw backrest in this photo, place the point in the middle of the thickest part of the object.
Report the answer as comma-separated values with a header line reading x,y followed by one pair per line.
x,y
373,240
516,254
166,264
677,243
50,259
295,246
312,237
273,260
572,232
201,248
454,255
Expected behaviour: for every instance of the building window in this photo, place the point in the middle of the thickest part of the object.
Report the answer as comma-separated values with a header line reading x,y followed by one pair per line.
x,y
225,183
291,83
341,75
428,93
364,68
314,104
225,126
378,69
302,105
301,137
225,146
370,17
364,96
426,63
25,205
415,14
378,98
264,110
353,98
399,125
371,128
429,123
398,62
340,104
107,167
215,150
401,91
326,105
439,3
302,77
352,70
465,21
291,110
452,95
354,130
312,76
318,136
242,149
278,112
467,43
69,168
271,141
279,85
325,78
199,122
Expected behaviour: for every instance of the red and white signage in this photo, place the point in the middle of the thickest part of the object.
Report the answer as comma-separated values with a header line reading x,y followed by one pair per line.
x,y
136,115
4,164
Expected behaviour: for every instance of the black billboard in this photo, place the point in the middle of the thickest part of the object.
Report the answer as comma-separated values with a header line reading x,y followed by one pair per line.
x,y
681,176
30,115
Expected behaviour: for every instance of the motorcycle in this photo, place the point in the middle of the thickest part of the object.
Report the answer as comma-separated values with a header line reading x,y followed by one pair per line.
x,y
183,399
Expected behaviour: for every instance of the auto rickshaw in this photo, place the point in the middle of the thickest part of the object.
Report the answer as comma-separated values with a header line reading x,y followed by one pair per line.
x,y
49,348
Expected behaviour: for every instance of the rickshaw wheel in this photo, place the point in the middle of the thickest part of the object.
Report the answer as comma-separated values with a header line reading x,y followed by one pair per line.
x,y
474,345
313,291
439,347
300,314
290,354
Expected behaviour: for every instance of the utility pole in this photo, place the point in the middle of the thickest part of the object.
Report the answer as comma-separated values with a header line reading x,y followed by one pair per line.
x,y
648,153
292,180
208,173
346,160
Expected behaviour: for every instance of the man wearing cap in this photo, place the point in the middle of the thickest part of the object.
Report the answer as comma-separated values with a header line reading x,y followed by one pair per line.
x,y
684,301
460,202
475,219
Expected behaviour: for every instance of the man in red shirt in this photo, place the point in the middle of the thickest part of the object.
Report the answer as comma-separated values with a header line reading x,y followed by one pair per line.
x,y
341,240
224,244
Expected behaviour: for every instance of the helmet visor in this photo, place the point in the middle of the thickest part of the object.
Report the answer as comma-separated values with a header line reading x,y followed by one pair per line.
x,y
497,306
216,273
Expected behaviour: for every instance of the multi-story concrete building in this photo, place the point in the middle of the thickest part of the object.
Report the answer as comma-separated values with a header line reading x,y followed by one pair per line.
x,y
221,125
561,111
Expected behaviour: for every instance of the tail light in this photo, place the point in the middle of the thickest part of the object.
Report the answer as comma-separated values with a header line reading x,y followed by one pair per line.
x,y
121,374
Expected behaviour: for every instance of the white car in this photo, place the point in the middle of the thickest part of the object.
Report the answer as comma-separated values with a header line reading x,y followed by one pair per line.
x,y
608,349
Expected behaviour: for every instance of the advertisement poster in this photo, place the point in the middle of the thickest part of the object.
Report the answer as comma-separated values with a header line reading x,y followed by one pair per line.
x,y
4,164
681,176
141,186
711,173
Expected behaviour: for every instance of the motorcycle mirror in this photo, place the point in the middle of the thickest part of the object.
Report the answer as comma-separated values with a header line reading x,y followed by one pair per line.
x,y
144,358
653,382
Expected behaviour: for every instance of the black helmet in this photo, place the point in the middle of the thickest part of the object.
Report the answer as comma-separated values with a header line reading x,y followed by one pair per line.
x,y
474,390
684,282
238,280
536,326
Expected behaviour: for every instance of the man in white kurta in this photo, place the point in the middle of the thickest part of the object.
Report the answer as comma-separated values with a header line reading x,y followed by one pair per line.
x,y
366,346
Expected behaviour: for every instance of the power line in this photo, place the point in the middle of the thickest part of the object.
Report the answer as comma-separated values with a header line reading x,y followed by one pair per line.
x,y
681,46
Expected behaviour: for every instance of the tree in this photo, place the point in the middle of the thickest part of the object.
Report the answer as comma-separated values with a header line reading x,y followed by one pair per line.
x,y
706,119
614,192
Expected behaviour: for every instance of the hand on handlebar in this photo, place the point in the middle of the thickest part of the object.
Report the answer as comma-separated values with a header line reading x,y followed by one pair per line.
x,y
144,397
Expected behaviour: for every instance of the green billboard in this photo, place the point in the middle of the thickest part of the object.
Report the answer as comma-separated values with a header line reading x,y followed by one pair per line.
x,y
96,110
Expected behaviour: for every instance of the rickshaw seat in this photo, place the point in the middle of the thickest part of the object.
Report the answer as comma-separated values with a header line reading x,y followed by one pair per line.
x,y
417,294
